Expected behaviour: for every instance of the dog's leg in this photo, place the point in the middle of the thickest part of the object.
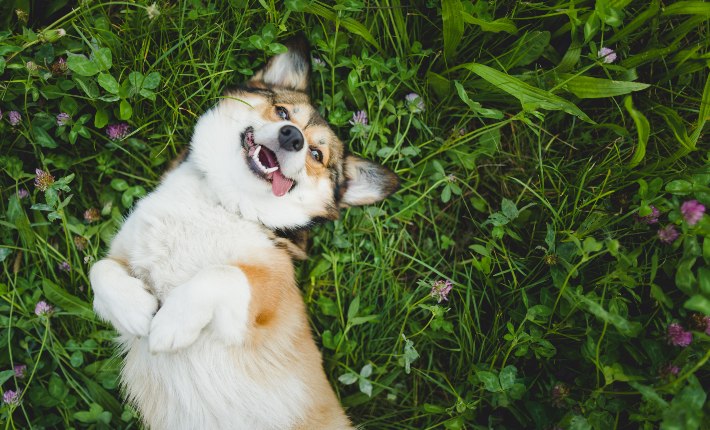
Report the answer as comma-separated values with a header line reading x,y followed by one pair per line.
x,y
219,295
121,299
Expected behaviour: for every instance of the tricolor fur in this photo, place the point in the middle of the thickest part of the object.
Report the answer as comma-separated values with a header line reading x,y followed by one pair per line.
x,y
199,281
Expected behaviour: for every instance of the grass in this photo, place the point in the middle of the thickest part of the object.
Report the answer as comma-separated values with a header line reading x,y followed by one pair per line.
x,y
526,184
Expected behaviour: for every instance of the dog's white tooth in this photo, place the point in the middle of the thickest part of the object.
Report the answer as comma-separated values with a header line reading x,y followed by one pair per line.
x,y
259,165
271,169
255,157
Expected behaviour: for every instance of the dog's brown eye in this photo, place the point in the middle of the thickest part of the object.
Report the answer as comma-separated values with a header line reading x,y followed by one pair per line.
x,y
317,155
282,113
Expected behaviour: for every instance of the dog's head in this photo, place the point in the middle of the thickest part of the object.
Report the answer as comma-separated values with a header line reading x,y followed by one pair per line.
x,y
267,153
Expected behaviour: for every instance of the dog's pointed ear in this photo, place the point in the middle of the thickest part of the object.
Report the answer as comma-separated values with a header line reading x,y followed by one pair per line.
x,y
366,182
290,70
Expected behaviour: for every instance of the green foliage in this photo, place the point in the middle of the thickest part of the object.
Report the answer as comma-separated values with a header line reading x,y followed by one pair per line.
x,y
530,97
550,183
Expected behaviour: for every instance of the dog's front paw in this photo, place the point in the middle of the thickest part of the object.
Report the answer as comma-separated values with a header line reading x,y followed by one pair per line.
x,y
217,296
177,325
129,309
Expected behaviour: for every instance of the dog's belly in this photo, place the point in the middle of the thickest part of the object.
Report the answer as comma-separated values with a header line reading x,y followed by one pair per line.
x,y
212,386
174,247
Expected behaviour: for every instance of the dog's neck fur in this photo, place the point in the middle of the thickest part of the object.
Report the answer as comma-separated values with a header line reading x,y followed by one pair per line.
x,y
293,240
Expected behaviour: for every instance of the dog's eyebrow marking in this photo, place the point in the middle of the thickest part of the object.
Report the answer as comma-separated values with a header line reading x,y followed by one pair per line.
x,y
315,119
291,98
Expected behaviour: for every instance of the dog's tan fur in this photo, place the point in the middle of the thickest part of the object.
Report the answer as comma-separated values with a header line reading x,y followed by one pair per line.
x,y
276,311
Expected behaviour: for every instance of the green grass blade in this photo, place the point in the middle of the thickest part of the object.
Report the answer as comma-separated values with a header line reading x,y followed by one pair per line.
x,y
703,114
586,87
67,301
452,15
502,24
527,49
688,8
350,24
637,22
643,128
571,57
619,4
649,55
531,98
675,124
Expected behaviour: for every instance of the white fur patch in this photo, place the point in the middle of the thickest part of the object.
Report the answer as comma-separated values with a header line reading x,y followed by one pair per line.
x,y
122,299
208,386
217,295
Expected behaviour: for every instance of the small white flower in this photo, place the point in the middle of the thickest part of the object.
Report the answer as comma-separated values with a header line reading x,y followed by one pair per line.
x,y
607,55
152,11
415,102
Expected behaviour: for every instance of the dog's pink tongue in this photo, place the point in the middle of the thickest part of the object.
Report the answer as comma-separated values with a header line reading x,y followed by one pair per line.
x,y
280,184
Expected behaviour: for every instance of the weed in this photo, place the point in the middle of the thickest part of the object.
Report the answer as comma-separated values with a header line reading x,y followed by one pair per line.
x,y
546,263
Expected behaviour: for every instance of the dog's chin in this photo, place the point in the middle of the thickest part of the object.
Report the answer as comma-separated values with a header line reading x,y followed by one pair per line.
x,y
265,165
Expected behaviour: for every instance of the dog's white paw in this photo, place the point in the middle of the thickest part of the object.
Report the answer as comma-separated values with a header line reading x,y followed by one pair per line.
x,y
129,309
177,325
217,296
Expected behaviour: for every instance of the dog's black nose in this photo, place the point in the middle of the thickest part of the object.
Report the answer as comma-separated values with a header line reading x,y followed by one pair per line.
x,y
290,138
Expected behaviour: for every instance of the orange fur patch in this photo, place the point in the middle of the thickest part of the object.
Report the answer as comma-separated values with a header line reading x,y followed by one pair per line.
x,y
270,274
280,329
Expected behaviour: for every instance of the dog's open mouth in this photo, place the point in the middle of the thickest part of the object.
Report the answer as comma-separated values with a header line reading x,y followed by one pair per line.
x,y
264,163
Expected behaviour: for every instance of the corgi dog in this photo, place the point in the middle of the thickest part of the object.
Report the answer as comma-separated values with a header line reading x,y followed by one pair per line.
x,y
199,281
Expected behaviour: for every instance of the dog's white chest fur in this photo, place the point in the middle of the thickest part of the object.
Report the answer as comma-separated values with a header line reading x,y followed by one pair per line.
x,y
179,230
175,233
